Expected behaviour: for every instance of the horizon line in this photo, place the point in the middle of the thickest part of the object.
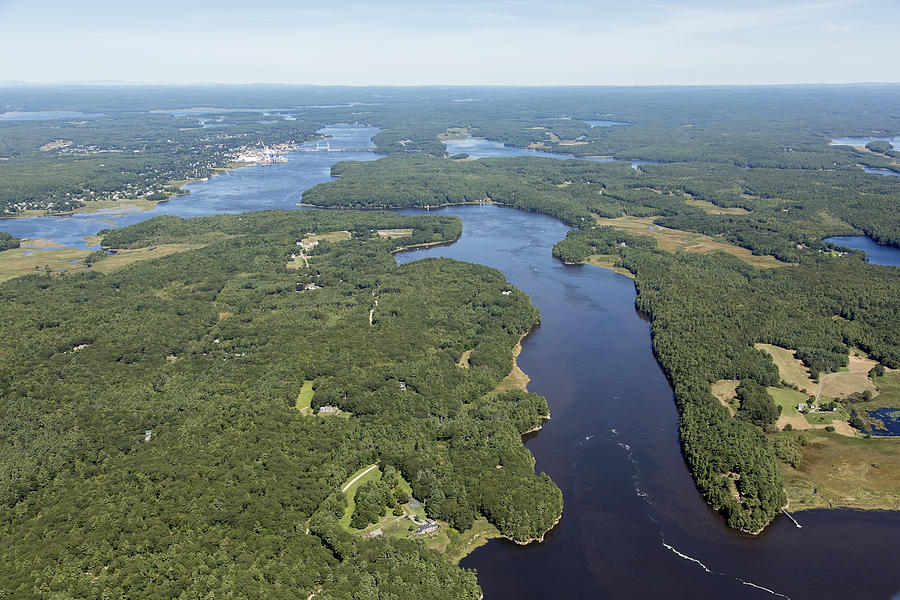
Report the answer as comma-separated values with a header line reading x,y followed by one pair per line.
x,y
132,83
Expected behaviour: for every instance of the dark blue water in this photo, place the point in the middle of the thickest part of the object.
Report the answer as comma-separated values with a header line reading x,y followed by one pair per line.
x,y
248,188
633,524
877,254
45,115
891,419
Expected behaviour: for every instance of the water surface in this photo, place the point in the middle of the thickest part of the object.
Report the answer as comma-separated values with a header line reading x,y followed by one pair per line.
x,y
860,142
876,254
249,188
603,123
891,419
887,172
633,524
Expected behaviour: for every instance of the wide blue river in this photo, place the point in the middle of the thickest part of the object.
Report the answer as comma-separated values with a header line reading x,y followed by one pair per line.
x,y
633,524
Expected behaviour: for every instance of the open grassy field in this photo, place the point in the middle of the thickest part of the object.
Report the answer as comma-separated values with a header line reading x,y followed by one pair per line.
x,y
517,378
854,379
889,388
607,262
724,390
840,471
791,370
674,240
305,396
819,418
126,257
392,233
712,209
332,236
38,255
454,133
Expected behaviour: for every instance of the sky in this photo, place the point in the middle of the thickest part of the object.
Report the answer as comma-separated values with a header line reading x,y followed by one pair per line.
x,y
407,42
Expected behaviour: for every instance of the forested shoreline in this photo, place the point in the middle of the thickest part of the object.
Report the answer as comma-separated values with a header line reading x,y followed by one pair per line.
x,y
207,350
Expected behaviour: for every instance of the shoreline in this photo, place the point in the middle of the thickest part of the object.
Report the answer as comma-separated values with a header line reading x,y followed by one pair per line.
x,y
97,207
482,540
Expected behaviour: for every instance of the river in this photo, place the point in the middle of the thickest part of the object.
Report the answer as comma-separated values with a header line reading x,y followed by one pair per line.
x,y
633,524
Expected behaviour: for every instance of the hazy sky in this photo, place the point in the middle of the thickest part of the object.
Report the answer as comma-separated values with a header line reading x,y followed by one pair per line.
x,y
451,42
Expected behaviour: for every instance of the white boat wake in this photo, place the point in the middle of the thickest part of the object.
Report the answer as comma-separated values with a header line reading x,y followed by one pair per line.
x,y
640,493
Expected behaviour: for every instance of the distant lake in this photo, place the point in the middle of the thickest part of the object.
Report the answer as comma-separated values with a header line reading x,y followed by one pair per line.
x,y
603,123
860,142
482,148
877,254
887,172
45,115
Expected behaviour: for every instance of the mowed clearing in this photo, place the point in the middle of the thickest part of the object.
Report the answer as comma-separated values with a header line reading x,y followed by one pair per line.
x,y
791,369
713,209
724,390
333,236
304,398
675,240
392,233
855,379
517,378
368,473
124,258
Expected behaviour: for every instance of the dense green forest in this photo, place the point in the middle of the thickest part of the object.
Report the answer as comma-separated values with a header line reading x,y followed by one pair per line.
x,y
7,241
708,311
769,211
207,350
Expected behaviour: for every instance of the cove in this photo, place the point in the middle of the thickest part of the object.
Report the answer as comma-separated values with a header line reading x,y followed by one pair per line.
x,y
483,148
876,254
246,189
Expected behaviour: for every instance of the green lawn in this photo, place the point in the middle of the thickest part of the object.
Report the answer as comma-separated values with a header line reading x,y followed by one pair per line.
x,y
305,396
787,399
819,418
